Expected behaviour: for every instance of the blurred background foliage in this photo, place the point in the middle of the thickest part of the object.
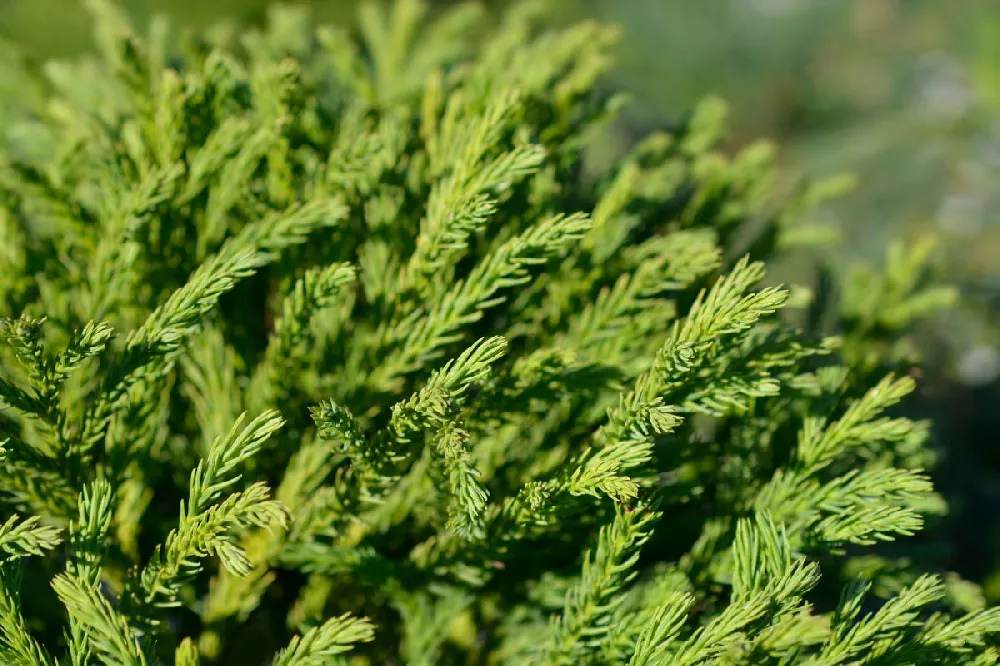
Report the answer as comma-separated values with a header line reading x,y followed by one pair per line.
x,y
903,93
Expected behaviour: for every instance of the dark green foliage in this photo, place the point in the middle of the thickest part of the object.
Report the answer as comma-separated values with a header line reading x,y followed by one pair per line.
x,y
327,347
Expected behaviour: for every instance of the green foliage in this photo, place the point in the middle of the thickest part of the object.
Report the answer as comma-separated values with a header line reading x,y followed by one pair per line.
x,y
510,412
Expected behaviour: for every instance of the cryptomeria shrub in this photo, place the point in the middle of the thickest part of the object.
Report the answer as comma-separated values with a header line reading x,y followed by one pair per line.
x,y
323,348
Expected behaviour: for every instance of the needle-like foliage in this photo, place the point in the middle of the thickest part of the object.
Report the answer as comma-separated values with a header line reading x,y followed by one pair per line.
x,y
323,346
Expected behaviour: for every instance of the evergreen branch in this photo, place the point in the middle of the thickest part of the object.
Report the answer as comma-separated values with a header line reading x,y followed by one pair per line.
x,y
462,202
27,537
626,441
87,544
670,262
107,631
150,348
592,600
89,531
215,473
204,530
17,643
661,630
383,458
897,614
867,525
24,337
767,579
859,507
468,497
965,633
432,404
316,290
820,443
318,645
422,334
87,343
201,536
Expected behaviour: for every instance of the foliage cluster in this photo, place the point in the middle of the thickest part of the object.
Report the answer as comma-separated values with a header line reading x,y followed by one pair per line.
x,y
324,346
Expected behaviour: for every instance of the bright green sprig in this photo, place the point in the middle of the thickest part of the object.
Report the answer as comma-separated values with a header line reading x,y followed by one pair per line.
x,y
422,334
318,645
87,542
859,507
461,203
626,441
619,320
207,534
217,472
661,630
468,496
768,582
24,337
591,601
107,631
819,442
150,348
963,634
850,639
384,457
432,403
206,528
21,538
87,343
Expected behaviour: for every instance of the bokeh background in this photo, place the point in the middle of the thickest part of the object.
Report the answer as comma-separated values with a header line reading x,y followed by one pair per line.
x,y
903,93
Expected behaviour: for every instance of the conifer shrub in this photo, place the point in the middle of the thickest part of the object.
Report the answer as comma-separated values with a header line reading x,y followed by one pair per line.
x,y
322,347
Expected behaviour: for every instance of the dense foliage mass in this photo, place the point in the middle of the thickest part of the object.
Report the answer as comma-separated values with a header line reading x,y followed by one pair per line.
x,y
325,348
